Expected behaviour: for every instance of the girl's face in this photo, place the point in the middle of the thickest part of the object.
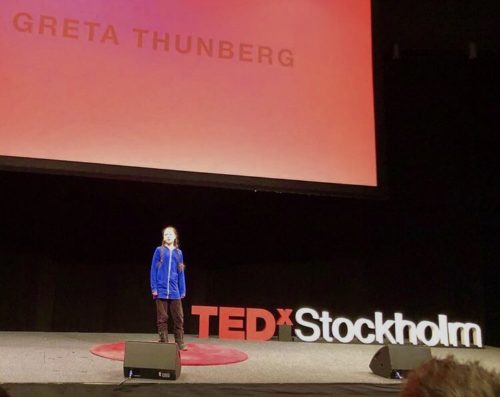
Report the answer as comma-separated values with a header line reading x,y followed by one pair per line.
x,y
169,235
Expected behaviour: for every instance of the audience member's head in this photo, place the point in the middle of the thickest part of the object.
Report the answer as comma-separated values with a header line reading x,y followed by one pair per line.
x,y
449,378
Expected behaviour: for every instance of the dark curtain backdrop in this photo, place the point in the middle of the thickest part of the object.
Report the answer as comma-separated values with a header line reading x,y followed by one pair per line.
x,y
75,252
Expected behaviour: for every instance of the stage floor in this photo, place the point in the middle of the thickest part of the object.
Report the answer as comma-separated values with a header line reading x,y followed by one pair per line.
x,y
43,357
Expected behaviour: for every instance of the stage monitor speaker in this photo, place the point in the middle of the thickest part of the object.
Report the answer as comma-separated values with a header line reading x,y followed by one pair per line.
x,y
392,361
152,360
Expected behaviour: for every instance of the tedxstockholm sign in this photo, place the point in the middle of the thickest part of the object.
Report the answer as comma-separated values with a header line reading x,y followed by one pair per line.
x,y
241,323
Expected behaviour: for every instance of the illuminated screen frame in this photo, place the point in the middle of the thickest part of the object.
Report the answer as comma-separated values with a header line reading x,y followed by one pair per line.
x,y
122,172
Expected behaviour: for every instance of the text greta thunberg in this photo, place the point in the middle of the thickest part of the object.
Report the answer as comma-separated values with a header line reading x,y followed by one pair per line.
x,y
143,38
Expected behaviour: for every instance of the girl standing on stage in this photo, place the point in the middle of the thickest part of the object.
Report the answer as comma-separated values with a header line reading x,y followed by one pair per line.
x,y
168,286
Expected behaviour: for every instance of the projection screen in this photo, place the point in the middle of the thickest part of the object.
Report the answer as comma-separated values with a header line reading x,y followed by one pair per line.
x,y
277,90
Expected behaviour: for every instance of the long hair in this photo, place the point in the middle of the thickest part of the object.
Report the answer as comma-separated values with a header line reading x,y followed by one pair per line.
x,y
176,241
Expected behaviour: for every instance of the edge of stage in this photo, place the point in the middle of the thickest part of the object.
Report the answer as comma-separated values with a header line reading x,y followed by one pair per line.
x,y
29,360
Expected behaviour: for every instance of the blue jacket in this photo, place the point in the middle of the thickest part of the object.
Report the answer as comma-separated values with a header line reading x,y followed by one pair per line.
x,y
166,278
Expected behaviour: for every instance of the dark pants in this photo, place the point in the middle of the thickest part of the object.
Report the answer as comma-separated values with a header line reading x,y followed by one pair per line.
x,y
162,306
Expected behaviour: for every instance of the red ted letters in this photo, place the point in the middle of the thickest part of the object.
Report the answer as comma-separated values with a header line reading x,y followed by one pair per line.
x,y
239,322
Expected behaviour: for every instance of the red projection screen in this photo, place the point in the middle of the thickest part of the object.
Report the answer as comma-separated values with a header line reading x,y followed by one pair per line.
x,y
252,92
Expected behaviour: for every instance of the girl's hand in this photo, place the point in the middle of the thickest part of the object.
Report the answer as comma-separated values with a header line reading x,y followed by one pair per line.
x,y
155,294
181,267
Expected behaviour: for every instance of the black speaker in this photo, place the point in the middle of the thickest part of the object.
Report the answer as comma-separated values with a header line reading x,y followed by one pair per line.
x,y
152,360
394,361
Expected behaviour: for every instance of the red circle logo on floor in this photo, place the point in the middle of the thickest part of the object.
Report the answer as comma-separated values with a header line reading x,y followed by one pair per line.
x,y
197,353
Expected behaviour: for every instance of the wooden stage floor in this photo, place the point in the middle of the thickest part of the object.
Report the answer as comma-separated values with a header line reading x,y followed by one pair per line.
x,y
65,358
